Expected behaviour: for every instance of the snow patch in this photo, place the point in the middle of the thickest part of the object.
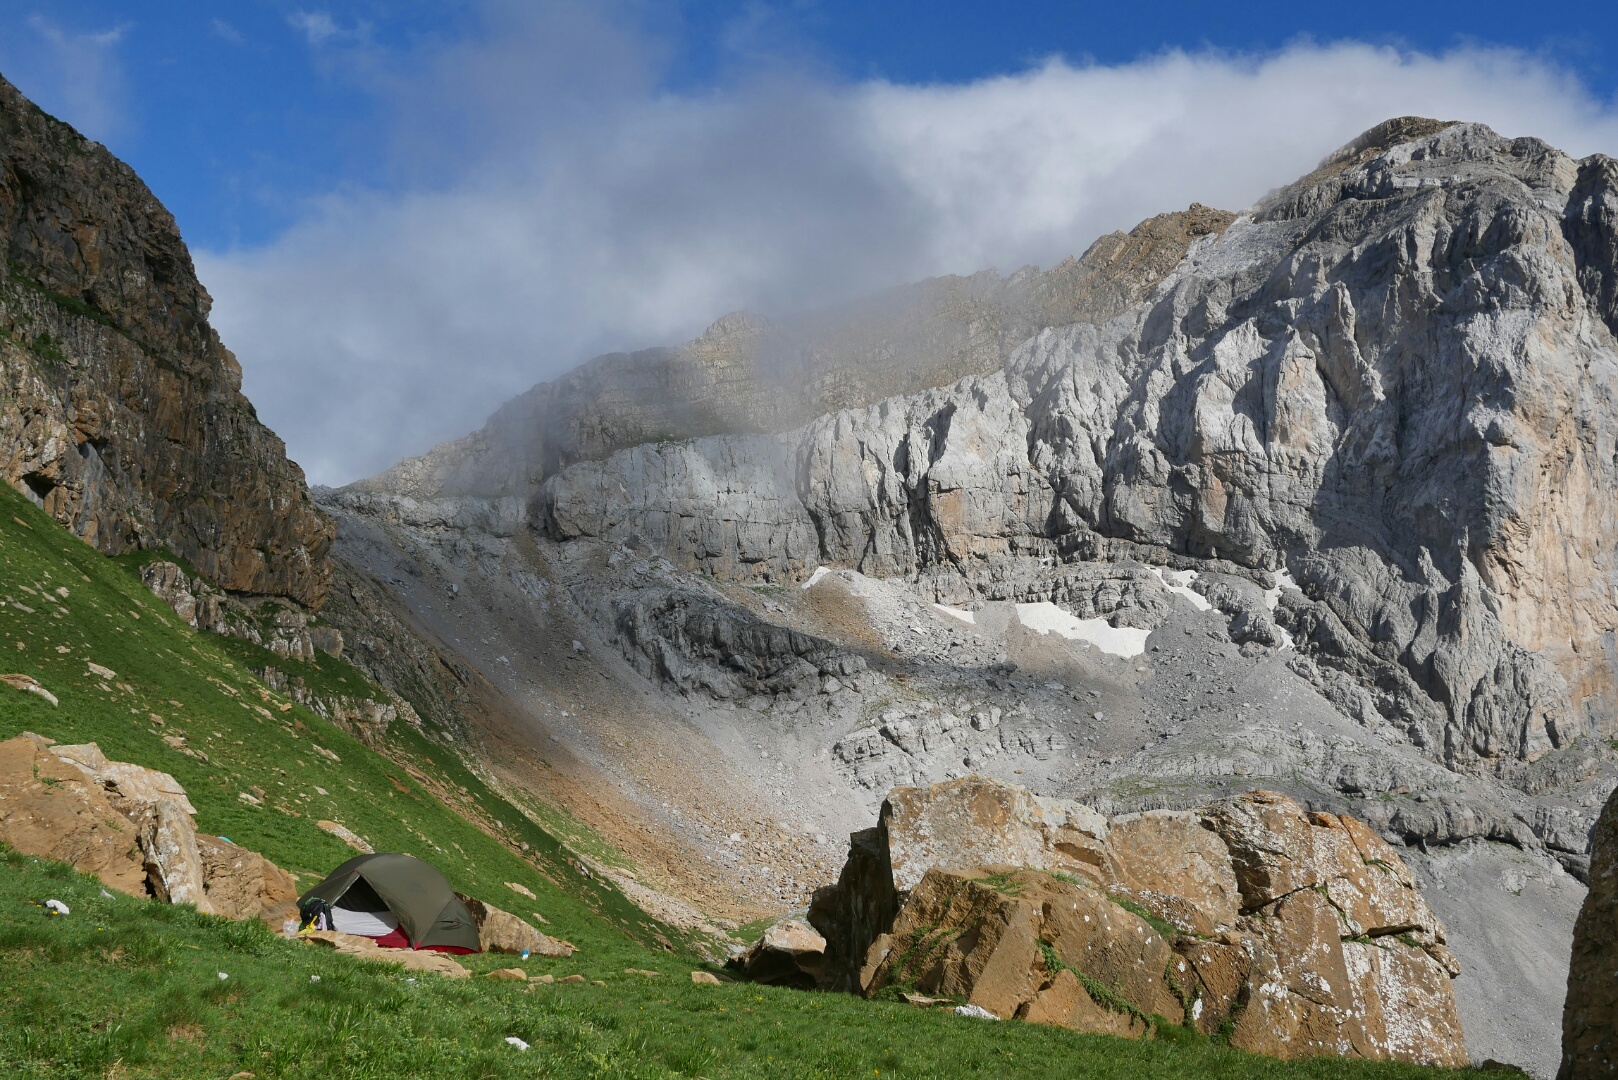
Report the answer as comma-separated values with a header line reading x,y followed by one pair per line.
x,y
1283,580
820,572
1179,581
964,616
1046,618
1272,597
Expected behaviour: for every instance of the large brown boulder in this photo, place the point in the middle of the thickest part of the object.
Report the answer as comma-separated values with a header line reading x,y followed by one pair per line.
x,y
50,809
242,884
502,932
1175,866
1590,1016
1299,934
789,953
1002,940
132,827
978,822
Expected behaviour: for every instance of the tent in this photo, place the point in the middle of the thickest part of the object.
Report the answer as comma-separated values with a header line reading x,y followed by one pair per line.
x,y
399,900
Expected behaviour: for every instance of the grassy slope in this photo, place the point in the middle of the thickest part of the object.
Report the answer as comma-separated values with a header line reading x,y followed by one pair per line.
x,y
129,987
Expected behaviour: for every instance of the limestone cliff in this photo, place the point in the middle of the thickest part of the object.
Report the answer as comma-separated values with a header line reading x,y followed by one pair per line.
x,y
121,413
1394,380
755,375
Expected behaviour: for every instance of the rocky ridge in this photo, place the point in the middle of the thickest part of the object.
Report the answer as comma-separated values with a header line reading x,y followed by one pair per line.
x,y
1347,383
747,373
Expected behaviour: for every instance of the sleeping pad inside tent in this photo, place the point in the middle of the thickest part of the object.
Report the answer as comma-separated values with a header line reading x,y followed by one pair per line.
x,y
398,900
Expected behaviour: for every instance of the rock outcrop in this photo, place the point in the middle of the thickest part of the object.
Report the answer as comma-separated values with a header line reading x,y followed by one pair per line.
x,y
1284,399
132,828
1590,1017
125,419
1297,934
284,628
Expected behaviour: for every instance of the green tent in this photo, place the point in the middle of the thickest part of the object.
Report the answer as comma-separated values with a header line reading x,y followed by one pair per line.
x,y
399,900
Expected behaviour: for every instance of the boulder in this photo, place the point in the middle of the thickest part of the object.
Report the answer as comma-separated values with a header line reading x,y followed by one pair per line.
x,y
502,932
1171,863
975,821
1299,999
242,884
168,838
132,827
130,787
790,953
51,810
851,914
1298,934
1590,1016
998,938
346,835
28,685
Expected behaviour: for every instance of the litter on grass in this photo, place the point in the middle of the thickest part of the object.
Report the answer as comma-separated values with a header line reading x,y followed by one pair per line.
x,y
518,1043
977,1012
223,976
56,907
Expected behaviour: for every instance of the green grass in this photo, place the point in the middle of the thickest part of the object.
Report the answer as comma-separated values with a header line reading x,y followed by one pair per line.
x,y
199,686
130,988
1165,929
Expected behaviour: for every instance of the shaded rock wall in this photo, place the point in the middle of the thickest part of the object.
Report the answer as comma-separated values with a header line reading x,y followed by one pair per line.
x,y
1590,1017
121,412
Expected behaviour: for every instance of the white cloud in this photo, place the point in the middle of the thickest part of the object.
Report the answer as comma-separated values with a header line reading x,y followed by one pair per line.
x,y
587,210
317,27
226,31
75,75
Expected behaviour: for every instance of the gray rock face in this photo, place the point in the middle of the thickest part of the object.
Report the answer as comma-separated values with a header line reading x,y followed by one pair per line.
x,y
1394,380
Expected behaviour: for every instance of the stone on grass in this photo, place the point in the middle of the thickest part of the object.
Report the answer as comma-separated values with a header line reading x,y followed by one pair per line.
x,y
367,949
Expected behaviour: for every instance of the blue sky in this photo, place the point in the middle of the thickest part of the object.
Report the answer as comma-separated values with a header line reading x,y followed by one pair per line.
x,y
408,211
236,113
